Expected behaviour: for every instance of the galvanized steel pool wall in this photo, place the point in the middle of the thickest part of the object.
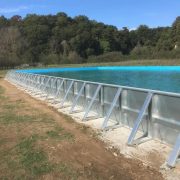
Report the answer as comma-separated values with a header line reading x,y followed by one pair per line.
x,y
154,113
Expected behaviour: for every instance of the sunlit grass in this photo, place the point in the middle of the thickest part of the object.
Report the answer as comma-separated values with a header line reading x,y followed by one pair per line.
x,y
21,155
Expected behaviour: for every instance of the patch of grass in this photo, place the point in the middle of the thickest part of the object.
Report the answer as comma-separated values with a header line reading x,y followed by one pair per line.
x,y
1,90
84,128
67,171
53,134
12,106
3,98
59,134
33,160
15,105
20,101
25,160
1,93
11,169
67,118
3,73
2,141
28,143
68,136
45,118
10,117
9,106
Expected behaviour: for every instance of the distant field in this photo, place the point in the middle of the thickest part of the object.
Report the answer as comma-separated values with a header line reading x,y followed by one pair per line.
x,y
127,63
174,62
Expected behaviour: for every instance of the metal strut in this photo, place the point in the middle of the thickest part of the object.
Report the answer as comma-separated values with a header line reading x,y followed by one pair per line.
x,y
45,85
58,90
77,97
140,118
53,84
42,87
39,85
174,154
116,97
91,102
69,88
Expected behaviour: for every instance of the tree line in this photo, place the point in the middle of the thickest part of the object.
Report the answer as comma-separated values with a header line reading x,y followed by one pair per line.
x,y
55,39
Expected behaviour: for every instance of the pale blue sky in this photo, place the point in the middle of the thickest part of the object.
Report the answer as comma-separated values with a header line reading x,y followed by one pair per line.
x,y
129,13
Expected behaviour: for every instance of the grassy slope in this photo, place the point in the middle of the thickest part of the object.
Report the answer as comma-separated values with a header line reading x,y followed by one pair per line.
x,y
21,156
127,63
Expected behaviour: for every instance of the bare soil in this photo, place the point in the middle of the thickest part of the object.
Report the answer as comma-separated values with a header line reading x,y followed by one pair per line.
x,y
84,156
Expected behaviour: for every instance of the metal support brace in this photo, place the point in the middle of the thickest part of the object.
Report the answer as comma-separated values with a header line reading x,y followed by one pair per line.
x,y
35,82
174,154
30,82
45,85
53,84
116,97
67,92
91,102
77,97
140,118
57,94
31,85
52,87
32,79
41,84
24,80
16,79
19,80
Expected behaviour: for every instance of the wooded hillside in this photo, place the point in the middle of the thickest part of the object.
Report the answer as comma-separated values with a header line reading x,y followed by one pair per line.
x,y
55,39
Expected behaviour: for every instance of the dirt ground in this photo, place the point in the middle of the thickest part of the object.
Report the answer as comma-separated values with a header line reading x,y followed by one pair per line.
x,y
74,150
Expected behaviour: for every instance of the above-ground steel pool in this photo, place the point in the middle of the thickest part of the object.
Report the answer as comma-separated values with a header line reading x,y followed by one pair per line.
x,y
145,99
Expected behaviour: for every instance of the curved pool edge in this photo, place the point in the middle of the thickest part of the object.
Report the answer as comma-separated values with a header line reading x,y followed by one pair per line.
x,y
111,68
146,90
92,68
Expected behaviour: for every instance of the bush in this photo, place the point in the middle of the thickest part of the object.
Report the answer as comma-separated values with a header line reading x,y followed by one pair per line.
x,y
107,57
142,52
50,59
73,57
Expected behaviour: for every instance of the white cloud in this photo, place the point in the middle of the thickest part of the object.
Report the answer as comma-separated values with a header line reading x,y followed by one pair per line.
x,y
12,10
133,29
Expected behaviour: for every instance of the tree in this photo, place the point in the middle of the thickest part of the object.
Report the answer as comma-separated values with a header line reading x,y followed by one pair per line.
x,y
38,38
10,46
15,20
3,22
165,42
176,32
37,32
